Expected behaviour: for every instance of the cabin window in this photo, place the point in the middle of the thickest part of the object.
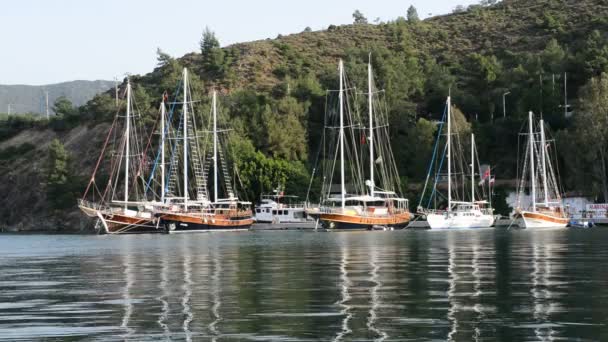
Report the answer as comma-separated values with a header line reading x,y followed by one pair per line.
x,y
258,210
274,212
298,214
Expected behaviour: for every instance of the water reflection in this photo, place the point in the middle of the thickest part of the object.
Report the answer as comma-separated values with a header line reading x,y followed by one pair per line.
x,y
215,293
391,286
545,300
374,297
163,286
187,290
345,284
452,281
126,293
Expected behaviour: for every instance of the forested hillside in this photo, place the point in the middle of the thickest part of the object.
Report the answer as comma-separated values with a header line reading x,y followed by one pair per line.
x,y
274,97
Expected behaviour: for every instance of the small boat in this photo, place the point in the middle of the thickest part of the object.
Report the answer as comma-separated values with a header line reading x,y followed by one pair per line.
x,y
132,213
282,211
546,209
580,223
188,208
365,204
466,212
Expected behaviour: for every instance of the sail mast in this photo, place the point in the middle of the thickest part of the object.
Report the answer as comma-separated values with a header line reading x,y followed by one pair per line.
x,y
341,99
472,168
449,152
127,147
371,127
162,150
214,146
532,172
185,129
543,156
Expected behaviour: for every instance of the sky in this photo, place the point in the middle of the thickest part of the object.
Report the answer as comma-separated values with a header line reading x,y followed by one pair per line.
x,y
51,41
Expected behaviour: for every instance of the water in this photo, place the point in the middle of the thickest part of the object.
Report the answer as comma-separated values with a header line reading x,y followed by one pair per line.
x,y
300,286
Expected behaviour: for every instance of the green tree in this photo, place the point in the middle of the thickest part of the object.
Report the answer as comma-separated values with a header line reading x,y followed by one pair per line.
x,y
412,14
59,186
162,58
594,56
102,107
64,107
591,127
359,17
212,53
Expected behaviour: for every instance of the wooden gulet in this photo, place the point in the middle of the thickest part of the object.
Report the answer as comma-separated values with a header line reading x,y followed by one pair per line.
x,y
201,215
550,212
376,209
126,216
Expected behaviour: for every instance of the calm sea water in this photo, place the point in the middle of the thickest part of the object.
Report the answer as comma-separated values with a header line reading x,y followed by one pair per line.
x,y
301,286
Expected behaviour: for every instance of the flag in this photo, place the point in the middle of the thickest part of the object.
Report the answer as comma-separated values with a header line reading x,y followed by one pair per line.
x,y
363,139
492,180
486,174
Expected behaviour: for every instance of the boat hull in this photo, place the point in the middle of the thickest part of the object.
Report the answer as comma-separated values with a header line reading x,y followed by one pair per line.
x,y
184,223
119,223
527,219
355,222
442,221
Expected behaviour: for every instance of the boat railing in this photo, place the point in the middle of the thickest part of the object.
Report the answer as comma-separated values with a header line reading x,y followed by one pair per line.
x,y
364,213
432,211
92,205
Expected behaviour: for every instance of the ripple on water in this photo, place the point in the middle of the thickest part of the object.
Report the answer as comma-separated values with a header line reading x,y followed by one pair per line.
x,y
301,286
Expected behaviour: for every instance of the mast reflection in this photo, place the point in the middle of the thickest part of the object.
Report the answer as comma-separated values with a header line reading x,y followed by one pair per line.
x,y
375,300
345,284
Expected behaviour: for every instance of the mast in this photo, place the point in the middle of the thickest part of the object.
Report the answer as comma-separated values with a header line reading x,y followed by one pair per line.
x,y
371,127
341,96
532,172
543,151
162,150
449,152
214,146
185,129
127,147
473,168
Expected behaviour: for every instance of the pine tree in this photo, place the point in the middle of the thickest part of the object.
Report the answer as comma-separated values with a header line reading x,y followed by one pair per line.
x,y
213,55
412,14
359,17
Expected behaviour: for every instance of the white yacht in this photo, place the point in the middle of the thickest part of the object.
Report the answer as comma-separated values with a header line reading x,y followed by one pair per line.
x,y
280,211
467,212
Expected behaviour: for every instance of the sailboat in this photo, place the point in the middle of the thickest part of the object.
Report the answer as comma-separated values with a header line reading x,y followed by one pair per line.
x,y
458,213
132,213
190,207
364,205
546,209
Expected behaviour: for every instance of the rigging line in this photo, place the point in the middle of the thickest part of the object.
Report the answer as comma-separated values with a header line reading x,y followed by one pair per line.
x,y
430,169
445,149
118,169
165,133
105,144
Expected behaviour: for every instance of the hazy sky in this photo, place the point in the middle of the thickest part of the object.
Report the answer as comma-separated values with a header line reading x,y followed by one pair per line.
x,y
50,41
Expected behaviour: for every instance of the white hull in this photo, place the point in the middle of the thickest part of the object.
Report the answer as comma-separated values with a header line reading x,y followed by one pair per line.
x,y
442,221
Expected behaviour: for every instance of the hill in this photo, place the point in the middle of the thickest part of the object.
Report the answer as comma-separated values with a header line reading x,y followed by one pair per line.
x,y
32,99
274,94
